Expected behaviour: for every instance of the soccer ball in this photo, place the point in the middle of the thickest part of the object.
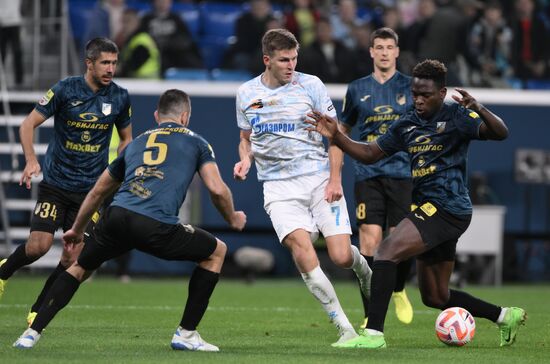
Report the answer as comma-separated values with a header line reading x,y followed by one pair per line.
x,y
455,326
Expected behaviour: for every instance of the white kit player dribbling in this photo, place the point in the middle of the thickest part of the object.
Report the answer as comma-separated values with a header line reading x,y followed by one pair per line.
x,y
301,182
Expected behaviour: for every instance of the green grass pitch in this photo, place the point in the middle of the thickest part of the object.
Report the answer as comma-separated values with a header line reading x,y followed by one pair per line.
x,y
269,321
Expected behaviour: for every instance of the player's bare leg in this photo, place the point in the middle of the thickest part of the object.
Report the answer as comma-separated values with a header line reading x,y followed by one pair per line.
x,y
305,258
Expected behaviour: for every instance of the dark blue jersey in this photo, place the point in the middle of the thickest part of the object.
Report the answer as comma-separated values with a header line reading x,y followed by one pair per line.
x,y
156,169
83,123
374,107
438,150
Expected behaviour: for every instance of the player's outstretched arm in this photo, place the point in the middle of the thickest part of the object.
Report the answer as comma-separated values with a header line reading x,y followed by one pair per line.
x,y
328,127
221,196
493,126
242,167
26,133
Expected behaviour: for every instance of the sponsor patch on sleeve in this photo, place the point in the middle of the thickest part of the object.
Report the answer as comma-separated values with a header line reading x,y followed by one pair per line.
x,y
428,209
46,98
473,115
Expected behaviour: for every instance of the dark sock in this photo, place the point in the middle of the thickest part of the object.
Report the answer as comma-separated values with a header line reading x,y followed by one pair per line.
x,y
201,286
51,279
15,261
370,259
59,295
382,283
403,270
365,300
477,307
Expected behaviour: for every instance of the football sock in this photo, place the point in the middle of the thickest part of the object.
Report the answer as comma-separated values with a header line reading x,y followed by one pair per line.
x,y
477,307
59,295
319,285
15,261
382,283
403,269
359,265
370,259
51,279
201,286
502,315
364,299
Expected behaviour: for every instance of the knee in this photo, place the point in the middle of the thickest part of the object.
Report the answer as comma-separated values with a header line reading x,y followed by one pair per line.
x,y
36,248
386,251
221,250
300,249
67,260
342,259
435,299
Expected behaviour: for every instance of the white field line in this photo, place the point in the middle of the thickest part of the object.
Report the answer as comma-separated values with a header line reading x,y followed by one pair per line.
x,y
210,308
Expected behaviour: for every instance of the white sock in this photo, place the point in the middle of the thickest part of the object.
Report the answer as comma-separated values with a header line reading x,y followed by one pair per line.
x,y
374,332
319,285
502,314
359,266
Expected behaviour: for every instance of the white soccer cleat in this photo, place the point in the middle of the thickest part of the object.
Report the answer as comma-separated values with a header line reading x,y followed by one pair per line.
x,y
190,340
27,340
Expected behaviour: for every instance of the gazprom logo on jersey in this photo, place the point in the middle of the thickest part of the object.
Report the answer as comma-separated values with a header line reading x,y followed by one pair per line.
x,y
270,127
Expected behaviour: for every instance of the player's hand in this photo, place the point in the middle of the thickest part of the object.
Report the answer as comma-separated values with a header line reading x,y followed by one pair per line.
x,y
333,191
32,169
323,124
71,238
238,220
467,100
240,170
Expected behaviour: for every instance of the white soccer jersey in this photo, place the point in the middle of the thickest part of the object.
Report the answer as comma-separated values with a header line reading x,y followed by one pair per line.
x,y
281,145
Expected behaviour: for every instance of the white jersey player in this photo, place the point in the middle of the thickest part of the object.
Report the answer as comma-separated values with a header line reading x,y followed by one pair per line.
x,y
301,182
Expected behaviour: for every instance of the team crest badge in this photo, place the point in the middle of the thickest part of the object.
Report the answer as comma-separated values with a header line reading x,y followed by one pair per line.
x,y
401,99
106,108
440,127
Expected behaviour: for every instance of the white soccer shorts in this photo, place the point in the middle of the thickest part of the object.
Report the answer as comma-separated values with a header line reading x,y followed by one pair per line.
x,y
299,203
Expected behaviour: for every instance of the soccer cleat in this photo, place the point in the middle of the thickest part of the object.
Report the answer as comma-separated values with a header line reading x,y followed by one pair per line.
x,y
364,324
513,319
30,317
27,340
363,341
3,282
190,340
345,336
403,307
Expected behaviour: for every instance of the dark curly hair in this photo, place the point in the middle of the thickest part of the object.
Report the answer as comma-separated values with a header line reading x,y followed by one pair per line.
x,y
431,69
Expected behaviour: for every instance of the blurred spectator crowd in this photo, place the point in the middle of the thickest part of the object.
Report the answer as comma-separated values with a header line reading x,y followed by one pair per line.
x,y
484,43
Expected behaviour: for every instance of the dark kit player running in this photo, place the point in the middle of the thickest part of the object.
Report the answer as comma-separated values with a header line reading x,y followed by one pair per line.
x,y
153,173
85,109
436,136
